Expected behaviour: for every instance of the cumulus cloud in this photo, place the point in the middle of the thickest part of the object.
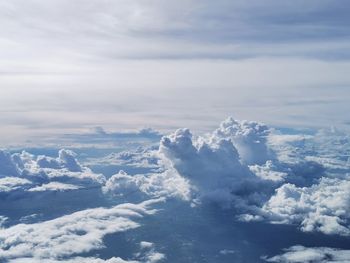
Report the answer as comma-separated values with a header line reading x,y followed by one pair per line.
x,y
66,159
314,194
323,207
166,184
23,171
237,163
266,176
248,137
242,165
298,254
214,165
73,234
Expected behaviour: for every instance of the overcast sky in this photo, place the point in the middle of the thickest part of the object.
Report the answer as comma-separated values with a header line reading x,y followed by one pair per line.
x,y
69,65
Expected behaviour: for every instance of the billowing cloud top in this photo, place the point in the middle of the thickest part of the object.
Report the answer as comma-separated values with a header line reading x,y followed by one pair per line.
x,y
28,171
253,172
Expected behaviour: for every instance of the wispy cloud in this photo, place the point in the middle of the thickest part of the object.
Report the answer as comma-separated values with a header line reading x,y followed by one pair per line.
x,y
81,64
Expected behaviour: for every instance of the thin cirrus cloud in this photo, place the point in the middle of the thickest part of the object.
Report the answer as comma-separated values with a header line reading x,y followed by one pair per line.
x,y
152,29
131,62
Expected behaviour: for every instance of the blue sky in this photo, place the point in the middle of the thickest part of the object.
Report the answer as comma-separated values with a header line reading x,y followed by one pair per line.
x,y
68,66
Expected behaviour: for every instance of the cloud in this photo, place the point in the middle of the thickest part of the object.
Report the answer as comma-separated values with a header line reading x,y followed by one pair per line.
x,y
215,167
254,172
217,164
72,234
53,186
166,184
73,260
184,29
311,254
240,46
26,172
8,184
313,193
323,207
248,137
7,165
234,164
66,159
146,255
99,137
243,165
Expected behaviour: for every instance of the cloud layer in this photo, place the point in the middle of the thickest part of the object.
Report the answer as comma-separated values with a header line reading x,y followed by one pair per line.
x,y
70,235
243,168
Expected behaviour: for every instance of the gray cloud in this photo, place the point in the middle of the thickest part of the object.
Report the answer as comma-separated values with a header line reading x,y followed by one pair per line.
x,y
185,29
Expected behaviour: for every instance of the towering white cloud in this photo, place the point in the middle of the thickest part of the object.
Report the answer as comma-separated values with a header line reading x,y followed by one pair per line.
x,y
248,137
214,166
238,166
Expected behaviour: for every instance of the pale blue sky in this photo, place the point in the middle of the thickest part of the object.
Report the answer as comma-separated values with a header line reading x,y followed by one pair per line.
x,y
71,65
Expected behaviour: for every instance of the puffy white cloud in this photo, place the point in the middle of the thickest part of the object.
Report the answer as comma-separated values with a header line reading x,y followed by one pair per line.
x,y
323,207
72,234
269,171
66,159
214,167
242,165
146,254
265,176
19,171
166,184
298,254
248,137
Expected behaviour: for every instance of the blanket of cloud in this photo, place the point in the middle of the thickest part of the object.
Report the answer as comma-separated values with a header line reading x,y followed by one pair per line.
x,y
243,180
149,54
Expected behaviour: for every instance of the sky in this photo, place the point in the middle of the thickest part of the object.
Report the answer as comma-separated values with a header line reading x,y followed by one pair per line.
x,y
68,66
150,131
